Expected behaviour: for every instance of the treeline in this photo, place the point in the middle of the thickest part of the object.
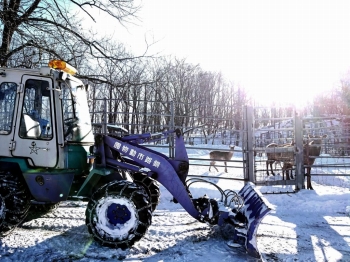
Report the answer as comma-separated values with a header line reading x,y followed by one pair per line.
x,y
165,88
335,102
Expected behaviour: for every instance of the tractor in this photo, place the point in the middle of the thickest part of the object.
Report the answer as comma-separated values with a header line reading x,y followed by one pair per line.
x,y
49,154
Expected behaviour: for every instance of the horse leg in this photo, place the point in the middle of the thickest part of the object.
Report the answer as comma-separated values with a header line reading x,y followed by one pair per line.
x,y
305,175
308,181
287,174
212,163
291,174
267,167
271,163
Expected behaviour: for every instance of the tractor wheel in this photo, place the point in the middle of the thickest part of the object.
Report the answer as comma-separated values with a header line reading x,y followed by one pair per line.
x,y
151,187
118,214
14,202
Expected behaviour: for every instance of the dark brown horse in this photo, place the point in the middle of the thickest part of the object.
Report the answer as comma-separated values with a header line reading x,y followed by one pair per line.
x,y
312,150
278,156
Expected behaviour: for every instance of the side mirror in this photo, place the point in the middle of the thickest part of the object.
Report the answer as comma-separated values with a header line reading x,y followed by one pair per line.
x,y
62,76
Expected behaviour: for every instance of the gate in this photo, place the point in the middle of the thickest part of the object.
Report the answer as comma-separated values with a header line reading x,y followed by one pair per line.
x,y
276,136
293,144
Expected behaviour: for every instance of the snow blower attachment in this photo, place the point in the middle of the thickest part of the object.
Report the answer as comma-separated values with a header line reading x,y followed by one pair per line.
x,y
243,210
254,209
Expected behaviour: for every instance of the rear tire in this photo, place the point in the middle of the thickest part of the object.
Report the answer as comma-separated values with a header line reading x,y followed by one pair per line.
x,y
14,202
118,214
151,187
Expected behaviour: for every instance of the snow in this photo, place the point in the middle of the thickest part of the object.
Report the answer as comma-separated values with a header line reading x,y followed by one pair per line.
x,y
310,225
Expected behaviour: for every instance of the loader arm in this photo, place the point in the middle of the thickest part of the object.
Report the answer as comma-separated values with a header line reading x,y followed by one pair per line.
x,y
171,173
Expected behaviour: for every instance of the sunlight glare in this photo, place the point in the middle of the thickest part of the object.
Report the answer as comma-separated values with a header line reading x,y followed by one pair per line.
x,y
281,53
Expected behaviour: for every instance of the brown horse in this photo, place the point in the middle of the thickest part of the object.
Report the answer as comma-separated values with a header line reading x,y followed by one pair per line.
x,y
312,150
278,156
220,155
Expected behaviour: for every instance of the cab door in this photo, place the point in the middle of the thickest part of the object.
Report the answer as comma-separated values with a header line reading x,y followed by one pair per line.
x,y
35,135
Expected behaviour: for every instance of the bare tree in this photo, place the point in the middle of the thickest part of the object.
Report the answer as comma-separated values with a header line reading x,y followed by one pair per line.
x,y
345,93
36,30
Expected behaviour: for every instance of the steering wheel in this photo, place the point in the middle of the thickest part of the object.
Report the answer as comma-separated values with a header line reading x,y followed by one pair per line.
x,y
70,123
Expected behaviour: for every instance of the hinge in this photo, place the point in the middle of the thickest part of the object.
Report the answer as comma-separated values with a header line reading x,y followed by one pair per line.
x,y
12,145
20,88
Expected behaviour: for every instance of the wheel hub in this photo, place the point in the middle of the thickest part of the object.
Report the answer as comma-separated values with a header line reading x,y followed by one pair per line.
x,y
118,214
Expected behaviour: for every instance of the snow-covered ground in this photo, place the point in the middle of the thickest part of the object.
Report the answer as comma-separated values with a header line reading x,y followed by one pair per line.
x,y
304,226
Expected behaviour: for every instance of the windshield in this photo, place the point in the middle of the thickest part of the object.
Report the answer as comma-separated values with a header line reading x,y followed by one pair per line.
x,y
76,117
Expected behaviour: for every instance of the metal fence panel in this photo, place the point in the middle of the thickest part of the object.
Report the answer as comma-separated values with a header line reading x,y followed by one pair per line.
x,y
258,135
332,166
202,130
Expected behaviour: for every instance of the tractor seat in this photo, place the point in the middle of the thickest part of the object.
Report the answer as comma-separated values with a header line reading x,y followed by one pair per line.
x,y
32,128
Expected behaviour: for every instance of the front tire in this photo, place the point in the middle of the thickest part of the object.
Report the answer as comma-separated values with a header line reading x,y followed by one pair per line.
x,y
118,214
151,187
14,202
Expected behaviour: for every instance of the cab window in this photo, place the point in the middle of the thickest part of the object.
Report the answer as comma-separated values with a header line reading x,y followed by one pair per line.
x,y
36,111
7,106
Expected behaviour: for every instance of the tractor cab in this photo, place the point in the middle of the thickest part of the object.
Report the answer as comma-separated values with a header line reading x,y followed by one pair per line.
x,y
44,116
